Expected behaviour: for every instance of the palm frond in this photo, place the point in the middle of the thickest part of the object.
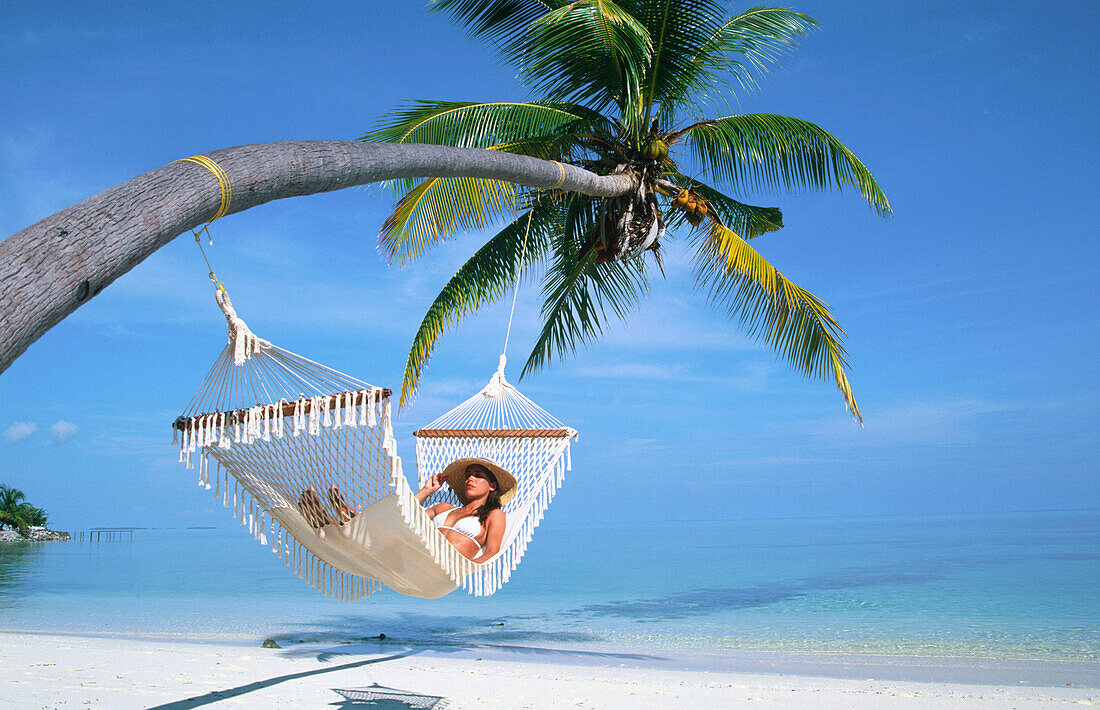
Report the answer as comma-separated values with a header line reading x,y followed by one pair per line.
x,y
681,27
579,291
742,48
484,278
438,207
590,52
435,208
595,46
762,35
469,124
506,125
768,151
502,23
791,320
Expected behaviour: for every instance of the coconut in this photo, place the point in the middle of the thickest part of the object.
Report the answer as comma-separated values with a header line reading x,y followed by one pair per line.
x,y
654,149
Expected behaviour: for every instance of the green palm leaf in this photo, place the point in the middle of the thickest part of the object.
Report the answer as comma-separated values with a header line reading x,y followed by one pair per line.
x,y
502,23
483,279
679,30
470,124
435,208
747,45
12,507
587,51
578,290
515,127
590,52
754,151
438,207
773,309
763,35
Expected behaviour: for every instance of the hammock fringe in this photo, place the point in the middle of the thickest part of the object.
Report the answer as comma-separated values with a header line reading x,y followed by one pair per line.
x,y
329,433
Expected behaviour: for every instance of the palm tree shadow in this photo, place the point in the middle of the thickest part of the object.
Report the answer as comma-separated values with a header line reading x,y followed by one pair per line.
x,y
382,698
329,639
219,695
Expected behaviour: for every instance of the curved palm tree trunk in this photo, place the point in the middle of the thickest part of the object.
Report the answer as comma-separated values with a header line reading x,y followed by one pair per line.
x,y
53,266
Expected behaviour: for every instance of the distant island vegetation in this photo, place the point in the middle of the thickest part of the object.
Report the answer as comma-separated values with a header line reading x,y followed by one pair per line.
x,y
18,514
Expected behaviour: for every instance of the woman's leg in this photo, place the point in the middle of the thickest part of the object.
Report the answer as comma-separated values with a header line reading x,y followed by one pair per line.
x,y
343,510
313,509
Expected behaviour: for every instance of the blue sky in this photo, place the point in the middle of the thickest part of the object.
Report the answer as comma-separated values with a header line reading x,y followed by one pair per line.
x,y
971,318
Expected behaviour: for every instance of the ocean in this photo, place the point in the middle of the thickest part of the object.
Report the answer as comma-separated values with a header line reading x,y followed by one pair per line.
x,y
1003,586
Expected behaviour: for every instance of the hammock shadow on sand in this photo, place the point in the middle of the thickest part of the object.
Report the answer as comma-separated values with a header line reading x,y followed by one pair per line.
x,y
342,636
382,698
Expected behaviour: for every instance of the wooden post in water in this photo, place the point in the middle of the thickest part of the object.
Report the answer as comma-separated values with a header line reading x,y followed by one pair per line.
x,y
109,534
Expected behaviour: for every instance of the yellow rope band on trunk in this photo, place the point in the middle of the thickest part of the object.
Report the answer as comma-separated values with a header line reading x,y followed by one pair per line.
x,y
223,182
223,207
561,180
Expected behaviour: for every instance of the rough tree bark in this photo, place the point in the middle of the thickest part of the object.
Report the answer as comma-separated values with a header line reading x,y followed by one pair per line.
x,y
53,266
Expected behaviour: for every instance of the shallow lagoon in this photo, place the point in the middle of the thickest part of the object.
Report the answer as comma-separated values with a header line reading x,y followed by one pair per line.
x,y
1020,585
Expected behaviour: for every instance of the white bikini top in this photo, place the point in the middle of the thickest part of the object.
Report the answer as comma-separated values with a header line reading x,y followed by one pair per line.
x,y
468,526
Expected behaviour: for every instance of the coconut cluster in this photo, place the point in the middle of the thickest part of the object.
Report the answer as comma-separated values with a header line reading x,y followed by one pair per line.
x,y
692,204
654,149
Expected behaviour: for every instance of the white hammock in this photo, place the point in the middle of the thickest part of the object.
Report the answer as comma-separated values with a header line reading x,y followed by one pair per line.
x,y
276,423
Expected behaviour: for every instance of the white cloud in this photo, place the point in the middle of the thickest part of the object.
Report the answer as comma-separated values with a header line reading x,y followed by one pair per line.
x,y
20,430
62,431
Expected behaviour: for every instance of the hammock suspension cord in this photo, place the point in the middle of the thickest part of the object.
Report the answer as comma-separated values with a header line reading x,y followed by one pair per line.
x,y
515,288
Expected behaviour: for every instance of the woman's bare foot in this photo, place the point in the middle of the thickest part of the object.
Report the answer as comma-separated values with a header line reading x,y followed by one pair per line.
x,y
343,510
313,509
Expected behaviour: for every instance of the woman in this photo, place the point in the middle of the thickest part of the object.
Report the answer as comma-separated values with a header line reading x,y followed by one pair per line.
x,y
482,487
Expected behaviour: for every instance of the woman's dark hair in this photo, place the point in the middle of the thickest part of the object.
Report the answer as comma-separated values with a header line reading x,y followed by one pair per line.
x,y
493,501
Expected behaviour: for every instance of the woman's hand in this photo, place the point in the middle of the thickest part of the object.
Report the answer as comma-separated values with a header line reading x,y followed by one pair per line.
x,y
433,484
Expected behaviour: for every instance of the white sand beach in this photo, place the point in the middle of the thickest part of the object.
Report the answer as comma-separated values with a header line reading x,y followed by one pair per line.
x,y
59,671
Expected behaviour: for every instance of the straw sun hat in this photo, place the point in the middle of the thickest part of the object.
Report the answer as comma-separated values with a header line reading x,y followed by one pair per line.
x,y
455,476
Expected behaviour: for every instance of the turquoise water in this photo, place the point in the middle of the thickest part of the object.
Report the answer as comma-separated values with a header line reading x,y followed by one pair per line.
x,y
1021,585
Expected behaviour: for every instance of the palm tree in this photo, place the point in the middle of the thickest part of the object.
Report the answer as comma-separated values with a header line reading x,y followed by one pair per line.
x,y
619,85
32,515
11,501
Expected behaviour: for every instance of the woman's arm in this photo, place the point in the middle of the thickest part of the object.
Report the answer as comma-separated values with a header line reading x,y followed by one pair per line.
x,y
433,484
494,533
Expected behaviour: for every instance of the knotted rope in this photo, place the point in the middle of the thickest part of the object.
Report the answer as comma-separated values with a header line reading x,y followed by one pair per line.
x,y
244,343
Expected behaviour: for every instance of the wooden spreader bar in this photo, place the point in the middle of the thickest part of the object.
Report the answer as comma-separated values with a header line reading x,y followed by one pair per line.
x,y
237,415
492,433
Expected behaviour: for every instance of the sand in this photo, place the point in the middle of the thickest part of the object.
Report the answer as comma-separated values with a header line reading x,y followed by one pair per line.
x,y
41,670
